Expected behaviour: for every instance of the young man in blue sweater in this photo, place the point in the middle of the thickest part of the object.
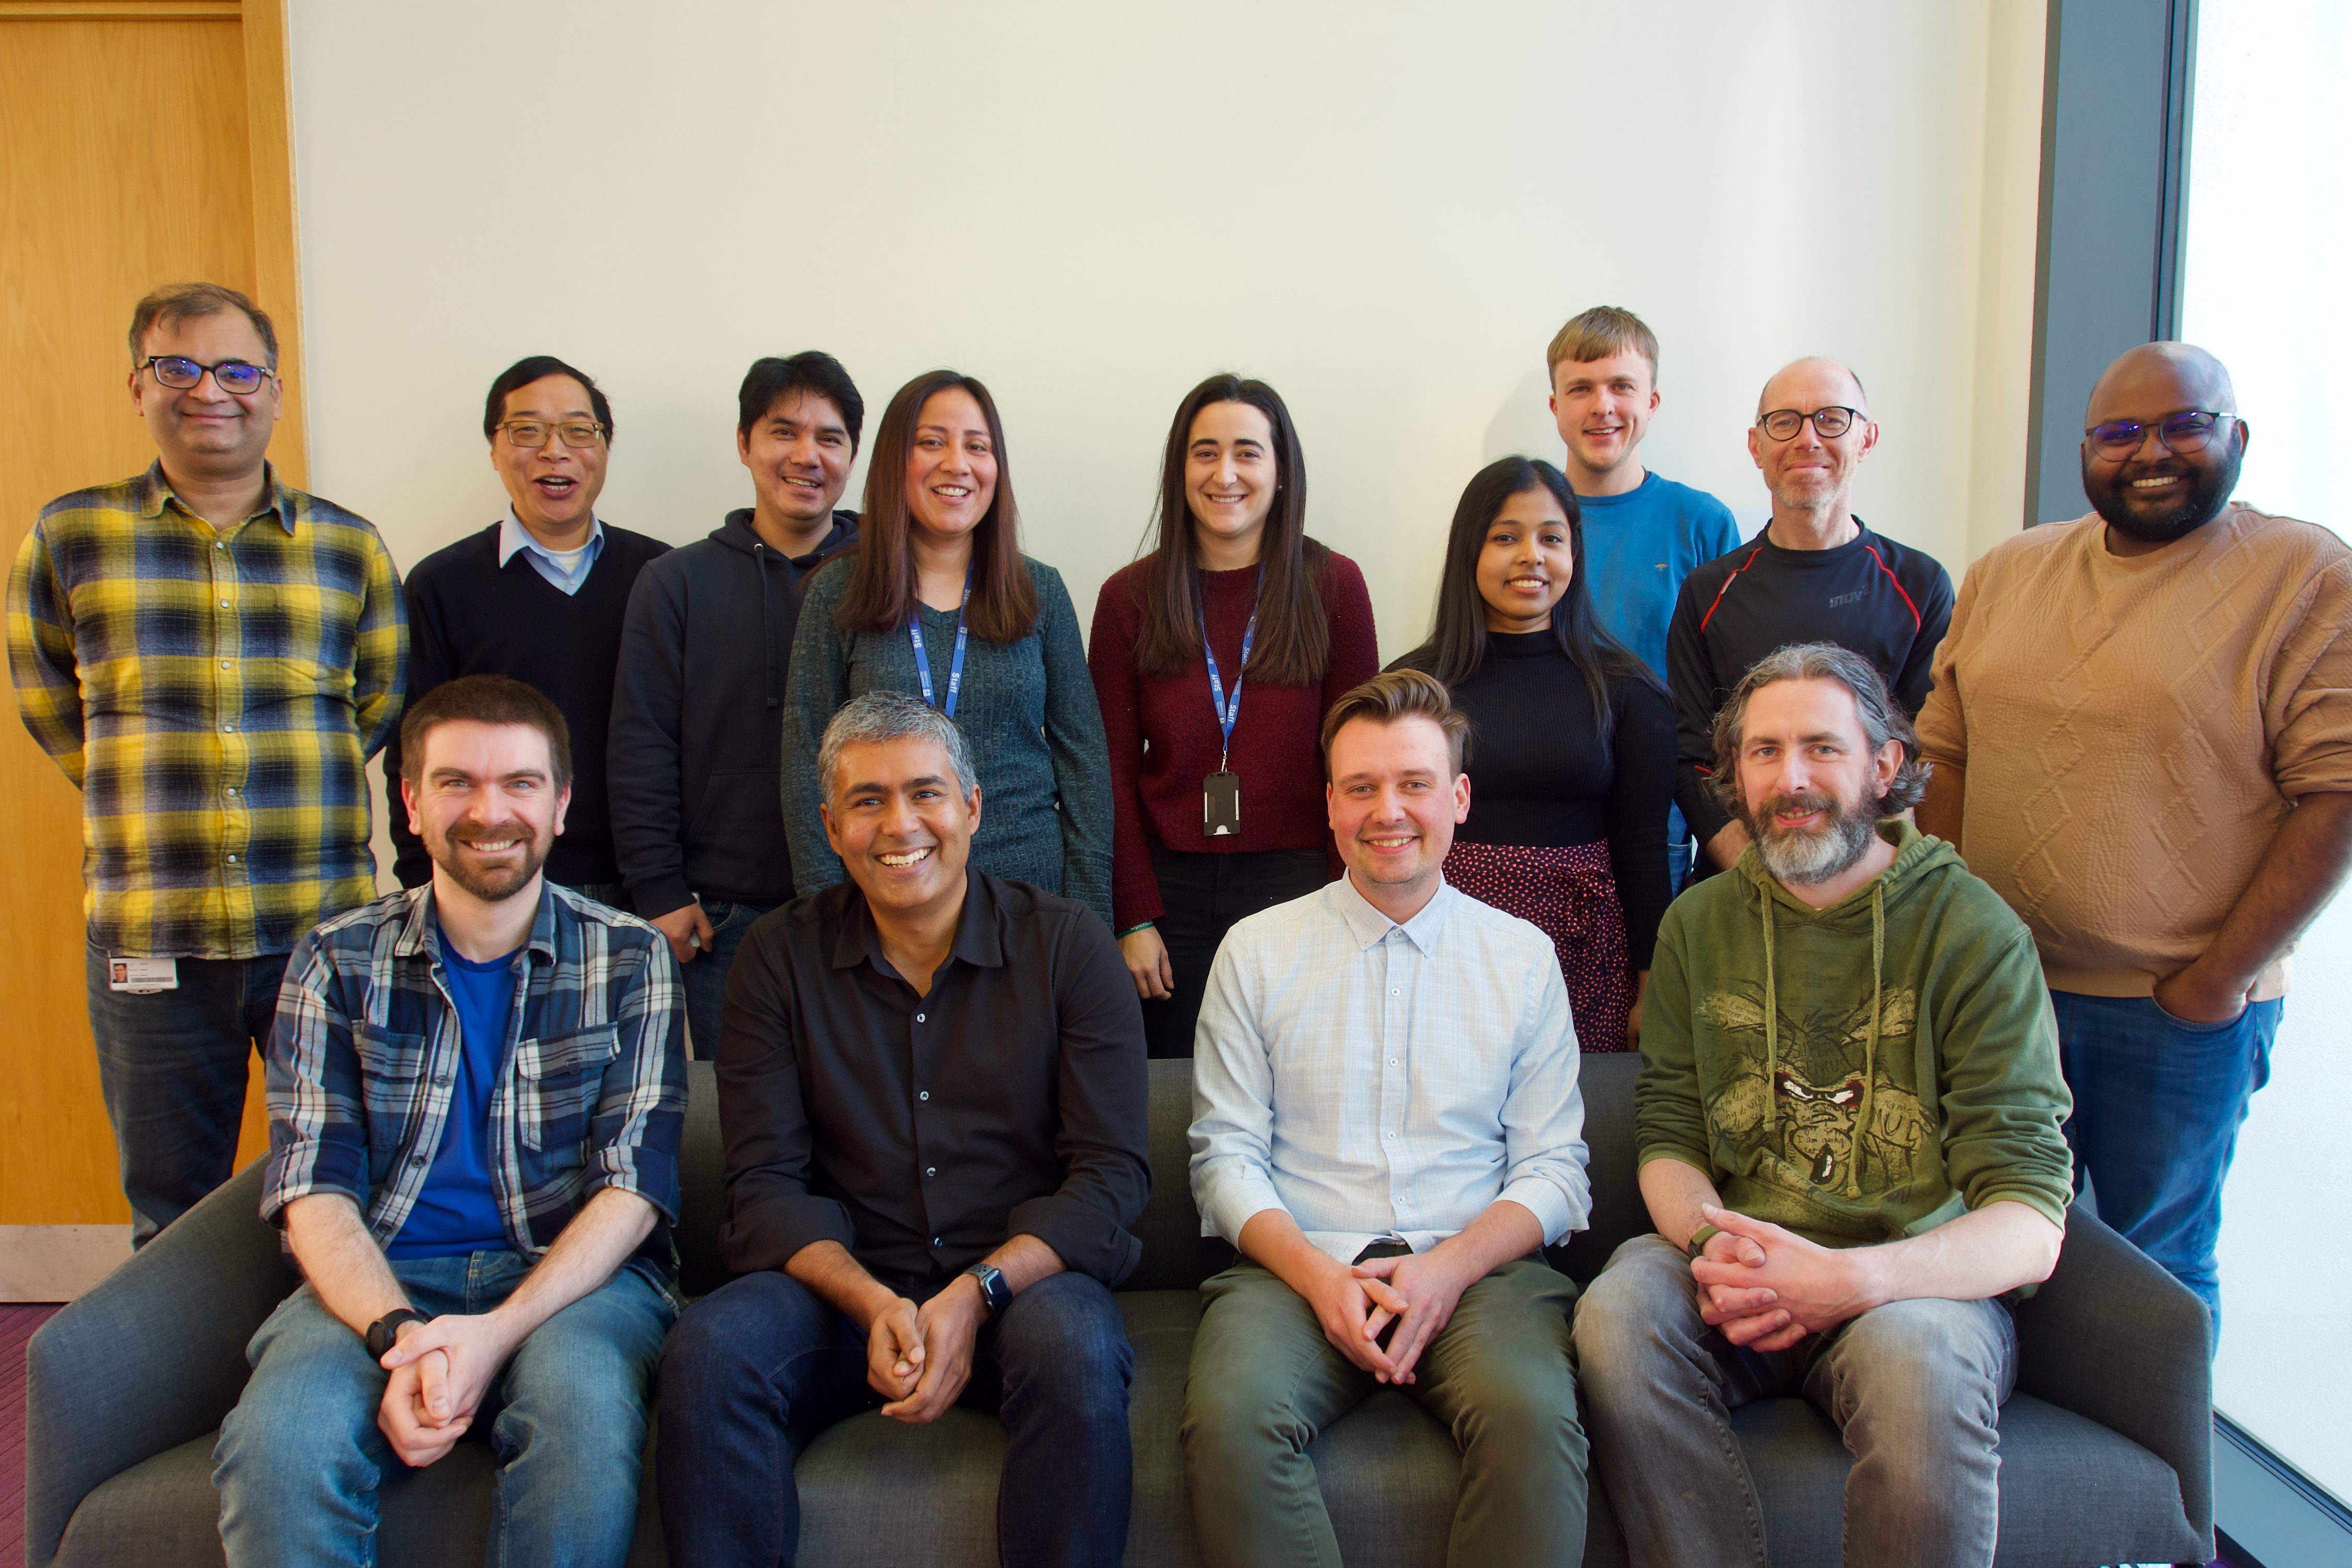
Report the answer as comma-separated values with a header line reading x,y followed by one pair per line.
x,y
1642,533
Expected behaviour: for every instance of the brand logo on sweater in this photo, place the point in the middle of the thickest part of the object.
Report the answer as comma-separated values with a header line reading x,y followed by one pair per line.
x,y
1854,598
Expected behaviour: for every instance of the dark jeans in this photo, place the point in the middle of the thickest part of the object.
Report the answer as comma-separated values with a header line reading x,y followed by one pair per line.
x,y
762,1354
705,977
2157,1103
172,1068
1201,896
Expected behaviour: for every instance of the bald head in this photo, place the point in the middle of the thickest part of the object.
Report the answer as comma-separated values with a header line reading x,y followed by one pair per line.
x,y
2153,380
1812,382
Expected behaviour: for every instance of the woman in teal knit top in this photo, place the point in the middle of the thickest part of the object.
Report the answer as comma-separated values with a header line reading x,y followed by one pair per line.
x,y
941,544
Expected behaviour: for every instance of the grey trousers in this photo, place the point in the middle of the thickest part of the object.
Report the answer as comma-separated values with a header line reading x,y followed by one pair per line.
x,y
1265,1383
1916,1387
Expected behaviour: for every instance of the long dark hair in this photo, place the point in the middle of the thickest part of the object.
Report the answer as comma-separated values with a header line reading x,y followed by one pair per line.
x,y
1457,643
1293,641
882,588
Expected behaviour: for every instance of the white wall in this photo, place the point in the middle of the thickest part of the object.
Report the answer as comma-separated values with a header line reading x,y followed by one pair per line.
x,y
2267,234
1384,209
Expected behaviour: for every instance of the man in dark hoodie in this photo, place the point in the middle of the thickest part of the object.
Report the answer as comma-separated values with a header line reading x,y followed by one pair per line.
x,y
1849,1123
697,709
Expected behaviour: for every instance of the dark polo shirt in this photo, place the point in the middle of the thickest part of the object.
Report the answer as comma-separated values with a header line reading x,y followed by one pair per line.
x,y
922,1131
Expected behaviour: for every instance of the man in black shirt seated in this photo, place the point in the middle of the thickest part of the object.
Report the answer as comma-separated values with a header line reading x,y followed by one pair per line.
x,y
932,1090
1815,574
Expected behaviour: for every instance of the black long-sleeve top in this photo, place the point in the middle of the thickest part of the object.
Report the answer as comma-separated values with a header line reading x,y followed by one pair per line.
x,y
1540,773
921,1132
1886,601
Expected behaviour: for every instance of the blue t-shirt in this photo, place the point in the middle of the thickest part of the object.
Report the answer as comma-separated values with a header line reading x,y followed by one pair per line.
x,y
1638,548
457,1211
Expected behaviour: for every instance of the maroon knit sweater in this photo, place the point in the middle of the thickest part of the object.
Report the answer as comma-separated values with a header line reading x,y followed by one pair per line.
x,y
1158,793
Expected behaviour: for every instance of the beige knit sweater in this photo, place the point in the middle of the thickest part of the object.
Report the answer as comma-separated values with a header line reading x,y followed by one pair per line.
x,y
2134,728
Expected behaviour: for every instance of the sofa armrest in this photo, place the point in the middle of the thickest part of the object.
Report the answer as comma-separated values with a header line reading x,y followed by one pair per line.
x,y
152,1357
2113,1337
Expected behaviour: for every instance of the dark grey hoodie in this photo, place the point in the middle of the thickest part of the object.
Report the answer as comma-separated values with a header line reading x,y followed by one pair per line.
x,y
697,719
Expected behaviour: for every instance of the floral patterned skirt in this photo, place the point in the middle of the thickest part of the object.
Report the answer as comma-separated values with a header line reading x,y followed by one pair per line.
x,y
1570,895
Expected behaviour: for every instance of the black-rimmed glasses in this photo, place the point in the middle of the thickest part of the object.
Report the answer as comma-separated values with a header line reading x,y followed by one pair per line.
x,y
1782,423
179,373
2179,434
534,431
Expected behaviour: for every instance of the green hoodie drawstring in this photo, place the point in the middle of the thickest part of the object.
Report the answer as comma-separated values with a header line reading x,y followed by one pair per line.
x,y
1870,1052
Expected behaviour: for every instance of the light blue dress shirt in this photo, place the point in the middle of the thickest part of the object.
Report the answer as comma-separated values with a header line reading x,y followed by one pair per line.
x,y
1382,1082
564,575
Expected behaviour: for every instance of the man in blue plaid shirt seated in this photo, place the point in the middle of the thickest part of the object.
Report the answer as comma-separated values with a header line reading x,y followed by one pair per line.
x,y
477,1089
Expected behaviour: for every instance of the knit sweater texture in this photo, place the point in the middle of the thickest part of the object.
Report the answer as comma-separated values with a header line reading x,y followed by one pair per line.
x,y
1164,740
468,615
2133,730
1858,1073
1027,709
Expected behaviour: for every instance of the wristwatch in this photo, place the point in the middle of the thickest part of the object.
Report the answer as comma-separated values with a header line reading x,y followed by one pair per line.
x,y
1697,1245
384,1332
992,1288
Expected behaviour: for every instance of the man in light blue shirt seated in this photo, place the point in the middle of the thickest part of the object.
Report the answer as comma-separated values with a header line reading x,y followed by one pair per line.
x,y
1387,1124
1642,533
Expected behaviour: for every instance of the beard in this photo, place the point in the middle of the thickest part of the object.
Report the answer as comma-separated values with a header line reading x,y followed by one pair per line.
x,y
2207,491
491,884
1804,857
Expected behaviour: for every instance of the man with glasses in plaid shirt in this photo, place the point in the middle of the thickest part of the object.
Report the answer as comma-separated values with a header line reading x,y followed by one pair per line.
x,y
211,656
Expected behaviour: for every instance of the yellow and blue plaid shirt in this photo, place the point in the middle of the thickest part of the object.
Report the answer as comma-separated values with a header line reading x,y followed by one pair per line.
x,y
216,695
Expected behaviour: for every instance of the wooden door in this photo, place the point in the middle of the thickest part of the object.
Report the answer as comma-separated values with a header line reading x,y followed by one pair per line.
x,y
140,143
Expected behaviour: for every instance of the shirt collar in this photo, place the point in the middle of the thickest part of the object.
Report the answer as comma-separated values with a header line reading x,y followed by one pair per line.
x,y
276,499
978,941
1368,925
513,536
420,932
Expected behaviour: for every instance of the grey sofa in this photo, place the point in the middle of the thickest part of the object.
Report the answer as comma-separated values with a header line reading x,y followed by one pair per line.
x,y
2106,1447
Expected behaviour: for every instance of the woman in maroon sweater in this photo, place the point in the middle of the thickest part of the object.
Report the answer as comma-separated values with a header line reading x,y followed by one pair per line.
x,y
1211,827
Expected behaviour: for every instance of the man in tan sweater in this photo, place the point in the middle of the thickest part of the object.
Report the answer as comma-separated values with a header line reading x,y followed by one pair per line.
x,y
2141,729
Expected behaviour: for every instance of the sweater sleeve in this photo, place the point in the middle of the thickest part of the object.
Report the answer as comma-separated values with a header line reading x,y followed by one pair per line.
x,y
2307,702
1110,660
1691,680
428,667
818,687
643,762
1073,739
1643,782
2004,1098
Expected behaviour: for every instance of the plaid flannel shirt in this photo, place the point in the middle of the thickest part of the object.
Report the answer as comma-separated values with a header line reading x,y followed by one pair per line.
x,y
591,1088
216,696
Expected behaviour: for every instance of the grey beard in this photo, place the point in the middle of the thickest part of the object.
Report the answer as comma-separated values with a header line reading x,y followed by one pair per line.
x,y
1807,858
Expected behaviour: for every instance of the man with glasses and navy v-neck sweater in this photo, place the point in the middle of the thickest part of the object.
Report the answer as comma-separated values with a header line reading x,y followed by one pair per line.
x,y
1814,575
539,596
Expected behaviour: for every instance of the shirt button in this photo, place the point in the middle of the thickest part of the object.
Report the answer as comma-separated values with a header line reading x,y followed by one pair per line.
x,y
220,544
923,1094
416,1159
223,663
224,604
1392,990
1393,1060
930,1170
935,1242
229,729
232,860
442,1082
1387,1134
919,1018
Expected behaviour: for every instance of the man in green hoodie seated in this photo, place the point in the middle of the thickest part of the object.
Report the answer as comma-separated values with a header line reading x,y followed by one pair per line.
x,y
1848,1118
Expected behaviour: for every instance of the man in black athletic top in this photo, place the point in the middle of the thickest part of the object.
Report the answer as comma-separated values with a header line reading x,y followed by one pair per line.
x,y
1814,575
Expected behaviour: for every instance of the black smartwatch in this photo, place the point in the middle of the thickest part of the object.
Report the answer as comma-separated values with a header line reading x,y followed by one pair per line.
x,y
992,1288
384,1332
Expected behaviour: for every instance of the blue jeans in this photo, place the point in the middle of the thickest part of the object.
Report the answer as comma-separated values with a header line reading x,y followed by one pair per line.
x,y
1916,1387
762,1354
2158,1103
705,977
300,1458
172,1068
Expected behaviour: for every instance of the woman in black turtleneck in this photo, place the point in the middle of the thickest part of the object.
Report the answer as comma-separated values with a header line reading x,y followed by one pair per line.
x,y
1572,744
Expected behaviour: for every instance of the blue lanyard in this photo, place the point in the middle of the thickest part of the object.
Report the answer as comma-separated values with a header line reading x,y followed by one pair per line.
x,y
955,663
1228,714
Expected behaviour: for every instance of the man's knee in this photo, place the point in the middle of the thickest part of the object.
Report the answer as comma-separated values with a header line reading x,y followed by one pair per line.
x,y
308,1408
1635,1311
1922,1372
1062,1341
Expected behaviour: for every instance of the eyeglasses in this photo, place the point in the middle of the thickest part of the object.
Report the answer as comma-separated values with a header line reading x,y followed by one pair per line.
x,y
534,433
234,376
1782,423
2179,434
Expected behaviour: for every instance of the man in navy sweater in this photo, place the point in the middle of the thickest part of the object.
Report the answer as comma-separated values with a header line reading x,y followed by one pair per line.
x,y
1815,575
698,709
538,596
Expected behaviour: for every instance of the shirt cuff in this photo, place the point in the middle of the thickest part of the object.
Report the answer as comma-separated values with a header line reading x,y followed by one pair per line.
x,y
660,894
1232,1193
1087,1240
1542,1197
765,1232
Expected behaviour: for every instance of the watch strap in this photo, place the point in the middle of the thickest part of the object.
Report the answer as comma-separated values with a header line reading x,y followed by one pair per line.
x,y
1696,1247
384,1332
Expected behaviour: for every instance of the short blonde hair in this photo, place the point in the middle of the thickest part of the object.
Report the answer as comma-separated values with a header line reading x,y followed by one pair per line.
x,y
1598,333
1397,694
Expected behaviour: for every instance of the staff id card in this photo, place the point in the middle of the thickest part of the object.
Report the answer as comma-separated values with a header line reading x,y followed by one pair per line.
x,y
143,977
1220,805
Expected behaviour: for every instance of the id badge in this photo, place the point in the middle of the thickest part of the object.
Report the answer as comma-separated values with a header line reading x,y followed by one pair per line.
x,y
143,977
1220,805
